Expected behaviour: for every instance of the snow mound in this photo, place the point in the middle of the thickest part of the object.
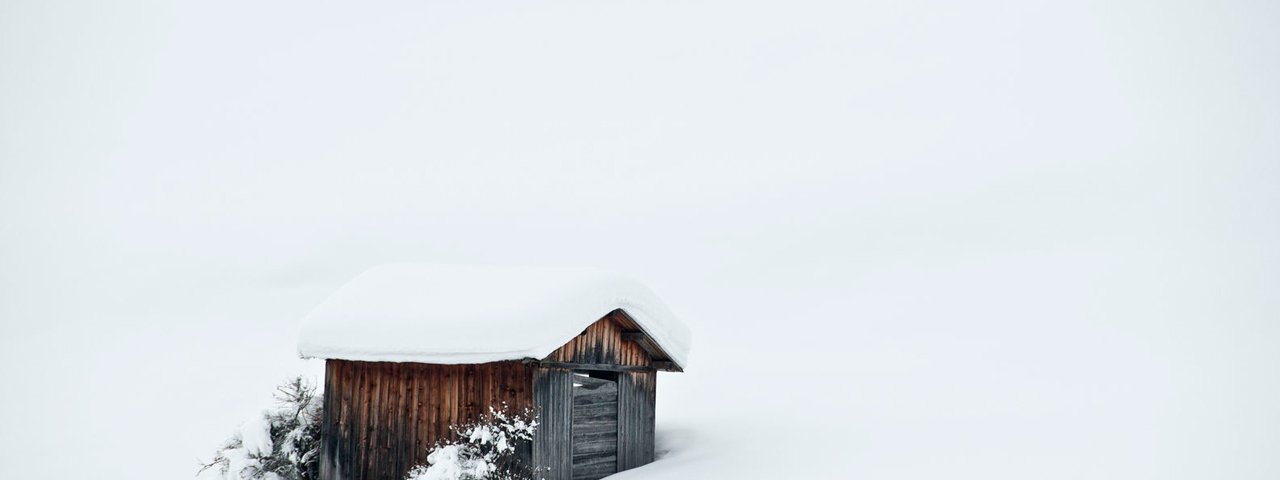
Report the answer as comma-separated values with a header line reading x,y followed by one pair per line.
x,y
452,314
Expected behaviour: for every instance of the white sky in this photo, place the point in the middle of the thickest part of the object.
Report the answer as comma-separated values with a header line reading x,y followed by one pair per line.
x,y
1038,239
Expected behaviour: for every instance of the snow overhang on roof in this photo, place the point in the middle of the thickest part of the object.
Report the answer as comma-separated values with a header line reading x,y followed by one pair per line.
x,y
451,314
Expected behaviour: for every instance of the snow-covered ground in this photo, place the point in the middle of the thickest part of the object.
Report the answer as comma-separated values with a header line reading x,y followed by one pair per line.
x,y
913,240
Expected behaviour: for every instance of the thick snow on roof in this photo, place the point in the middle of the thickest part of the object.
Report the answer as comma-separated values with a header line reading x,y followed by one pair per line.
x,y
422,312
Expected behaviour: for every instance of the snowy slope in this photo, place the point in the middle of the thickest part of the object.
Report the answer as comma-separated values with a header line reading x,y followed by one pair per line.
x,y
915,240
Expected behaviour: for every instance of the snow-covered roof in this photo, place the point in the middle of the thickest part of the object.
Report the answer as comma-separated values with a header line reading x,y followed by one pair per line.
x,y
451,314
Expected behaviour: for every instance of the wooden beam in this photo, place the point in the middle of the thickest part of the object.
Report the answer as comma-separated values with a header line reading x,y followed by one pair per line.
x,y
667,366
625,320
632,332
592,366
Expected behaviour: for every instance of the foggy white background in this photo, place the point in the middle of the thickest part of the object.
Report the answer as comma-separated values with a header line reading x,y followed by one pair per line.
x,y
919,240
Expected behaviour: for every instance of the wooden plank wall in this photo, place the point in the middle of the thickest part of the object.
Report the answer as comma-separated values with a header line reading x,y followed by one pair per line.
x,y
602,343
637,399
595,427
382,418
553,395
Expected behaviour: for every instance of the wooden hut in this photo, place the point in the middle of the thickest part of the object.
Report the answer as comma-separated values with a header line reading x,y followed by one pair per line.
x,y
412,349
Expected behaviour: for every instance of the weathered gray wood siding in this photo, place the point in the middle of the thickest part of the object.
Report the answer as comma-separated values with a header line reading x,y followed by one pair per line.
x,y
595,427
637,399
553,399
602,343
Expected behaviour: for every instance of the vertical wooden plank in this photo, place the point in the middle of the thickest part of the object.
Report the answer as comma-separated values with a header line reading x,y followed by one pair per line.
x,y
465,385
347,458
346,448
360,415
516,385
553,398
455,400
431,401
375,404
472,387
408,416
352,469
420,427
626,402
362,445
385,405
500,380
497,383
373,455
507,387
399,442
441,401
433,410
328,439
456,397
395,422
612,339
412,409
328,423
344,438
636,402
648,416
387,420
446,401
484,375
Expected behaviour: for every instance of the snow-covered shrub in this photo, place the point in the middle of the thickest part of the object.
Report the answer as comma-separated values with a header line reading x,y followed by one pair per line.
x,y
281,444
485,450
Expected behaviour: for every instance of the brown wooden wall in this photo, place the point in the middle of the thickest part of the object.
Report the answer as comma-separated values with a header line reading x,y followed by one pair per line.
x,y
382,418
602,343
